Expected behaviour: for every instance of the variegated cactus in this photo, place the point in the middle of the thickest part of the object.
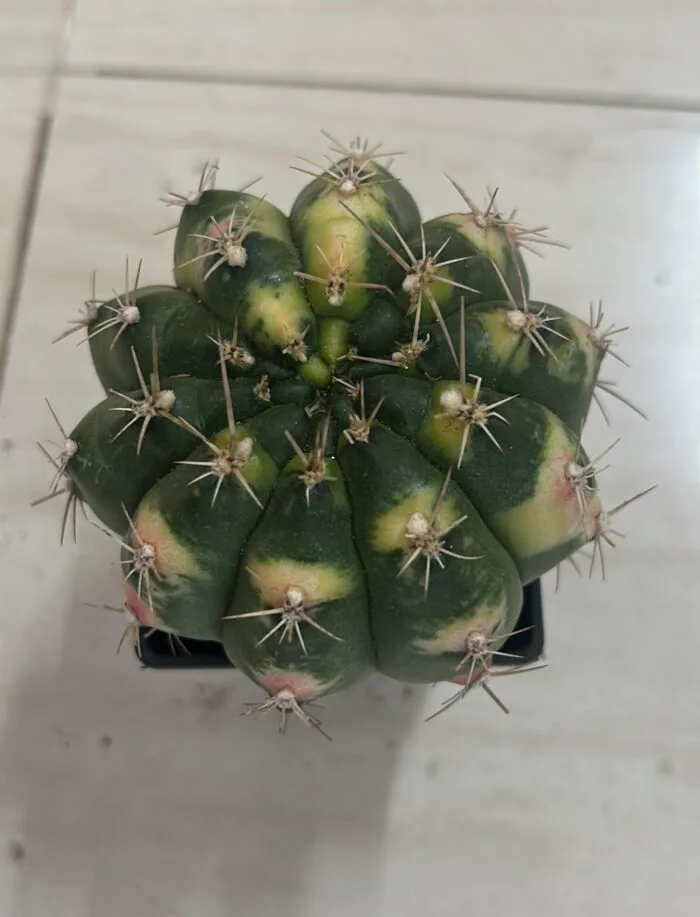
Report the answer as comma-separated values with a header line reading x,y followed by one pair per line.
x,y
339,441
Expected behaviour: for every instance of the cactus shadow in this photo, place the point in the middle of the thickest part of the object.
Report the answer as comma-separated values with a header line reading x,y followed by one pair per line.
x,y
146,792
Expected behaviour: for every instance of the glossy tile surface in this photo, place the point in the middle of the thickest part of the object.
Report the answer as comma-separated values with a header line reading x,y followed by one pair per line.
x,y
611,47
140,792
20,99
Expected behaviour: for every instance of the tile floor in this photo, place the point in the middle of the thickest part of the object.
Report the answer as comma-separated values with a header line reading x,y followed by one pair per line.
x,y
124,791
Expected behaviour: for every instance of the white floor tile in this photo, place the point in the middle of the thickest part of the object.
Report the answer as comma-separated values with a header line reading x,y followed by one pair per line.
x,y
20,98
30,33
146,792
646,48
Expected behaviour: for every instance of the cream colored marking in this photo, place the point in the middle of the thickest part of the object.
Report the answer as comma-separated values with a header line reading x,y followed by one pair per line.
x,y
448,430
318,582
389,531
443,293
172,557
303,685
503,343
562,368
281,316
267,219
369,203
338,235
493,241
551,516
452,638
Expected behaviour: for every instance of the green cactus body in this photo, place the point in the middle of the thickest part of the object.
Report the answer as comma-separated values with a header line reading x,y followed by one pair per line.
x,y
302,557
335,246
468,252
514,468
109,473
198,524
183,328
544,354
420,633
309,452
186,333
235,252
522,488
113,470
379,329
197,529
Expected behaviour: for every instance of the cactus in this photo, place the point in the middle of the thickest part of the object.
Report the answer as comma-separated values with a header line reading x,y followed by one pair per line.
x,y
342,440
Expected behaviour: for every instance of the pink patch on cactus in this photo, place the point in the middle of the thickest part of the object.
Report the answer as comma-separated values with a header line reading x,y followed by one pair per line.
x,y
140,609
216,230
304,687
170,556
477,675
562,486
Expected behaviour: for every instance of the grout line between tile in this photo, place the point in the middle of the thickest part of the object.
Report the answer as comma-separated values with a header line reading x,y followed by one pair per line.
x,y
32,190
23,239
40,148
436,90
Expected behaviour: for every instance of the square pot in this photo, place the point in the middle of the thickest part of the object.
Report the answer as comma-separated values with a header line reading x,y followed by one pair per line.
x,y
158,652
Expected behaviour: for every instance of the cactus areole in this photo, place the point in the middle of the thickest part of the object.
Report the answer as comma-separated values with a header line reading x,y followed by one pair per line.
x,y
339,441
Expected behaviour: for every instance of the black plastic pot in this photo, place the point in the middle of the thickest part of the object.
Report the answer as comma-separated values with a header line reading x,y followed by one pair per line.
x,y
159,651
